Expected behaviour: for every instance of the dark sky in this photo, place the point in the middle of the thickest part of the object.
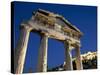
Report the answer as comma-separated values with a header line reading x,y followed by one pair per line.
x,y
83,17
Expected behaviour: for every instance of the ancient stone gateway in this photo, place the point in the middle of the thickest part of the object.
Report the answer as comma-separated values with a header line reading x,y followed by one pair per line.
x,y
48,25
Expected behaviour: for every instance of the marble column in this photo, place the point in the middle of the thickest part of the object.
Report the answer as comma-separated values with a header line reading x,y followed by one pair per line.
x,y
68,57
79,65
20,50
42,57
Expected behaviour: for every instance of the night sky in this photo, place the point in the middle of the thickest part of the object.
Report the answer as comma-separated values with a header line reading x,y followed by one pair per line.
x,y
83,17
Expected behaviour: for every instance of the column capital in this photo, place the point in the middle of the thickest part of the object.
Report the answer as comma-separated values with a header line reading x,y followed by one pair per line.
x,y
26,26
67,41
45,33
68,44
77,45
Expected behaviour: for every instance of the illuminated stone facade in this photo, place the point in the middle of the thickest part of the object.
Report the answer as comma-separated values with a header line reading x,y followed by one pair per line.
x,y
48,25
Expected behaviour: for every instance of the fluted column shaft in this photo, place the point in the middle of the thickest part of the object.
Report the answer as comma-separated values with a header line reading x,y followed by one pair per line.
x,y
79,65
42,58
68,57
20,50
